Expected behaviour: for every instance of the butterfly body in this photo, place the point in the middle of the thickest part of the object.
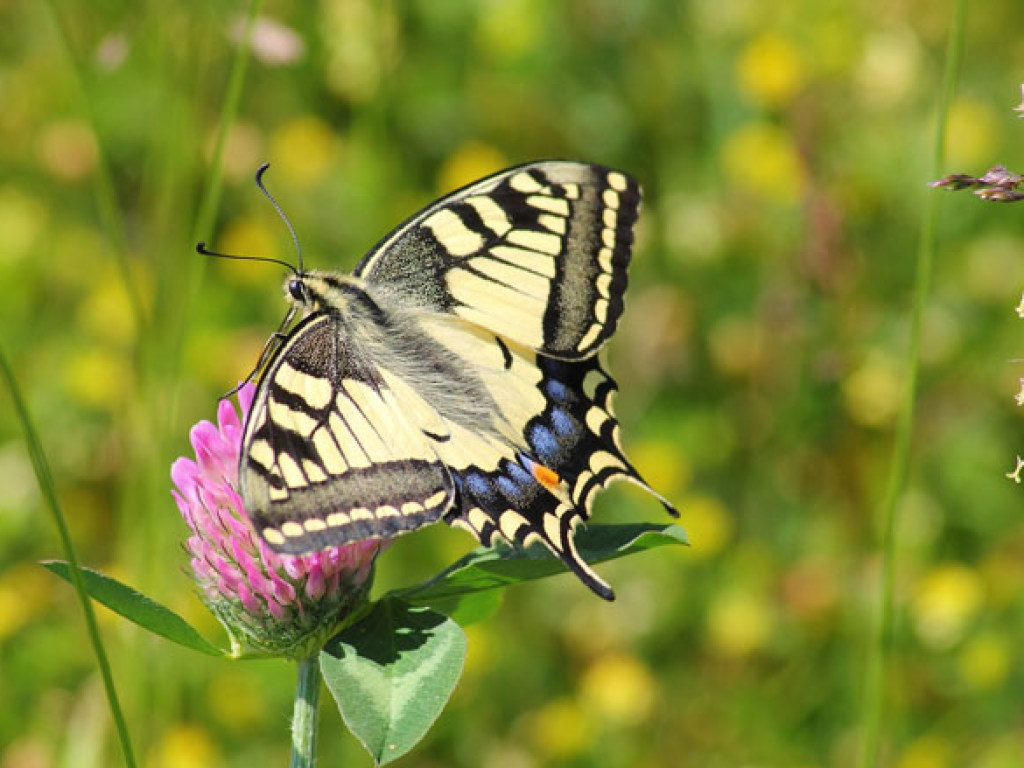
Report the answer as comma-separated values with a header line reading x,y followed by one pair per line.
x,y
454,375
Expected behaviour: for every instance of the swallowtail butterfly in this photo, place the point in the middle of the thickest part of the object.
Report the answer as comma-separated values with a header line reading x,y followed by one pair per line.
x,y
454,375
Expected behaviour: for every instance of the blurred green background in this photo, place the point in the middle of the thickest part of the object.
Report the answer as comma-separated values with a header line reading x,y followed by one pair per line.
x,y
784,149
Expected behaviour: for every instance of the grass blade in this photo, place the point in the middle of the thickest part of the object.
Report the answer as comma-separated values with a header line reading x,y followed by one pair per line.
x,y
45,479
873,709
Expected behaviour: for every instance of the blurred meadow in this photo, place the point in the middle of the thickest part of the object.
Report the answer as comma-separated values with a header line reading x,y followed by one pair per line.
x,y
784,150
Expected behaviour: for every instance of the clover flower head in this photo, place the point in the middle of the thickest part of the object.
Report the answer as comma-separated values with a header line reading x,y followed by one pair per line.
x,y
271,604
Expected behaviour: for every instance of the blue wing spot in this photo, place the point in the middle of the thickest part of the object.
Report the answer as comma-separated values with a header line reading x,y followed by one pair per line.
x,y
544,443
479,486
556,390
563,423
510,489
519,475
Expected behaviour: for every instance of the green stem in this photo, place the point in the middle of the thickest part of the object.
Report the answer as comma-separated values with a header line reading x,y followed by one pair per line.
x,y
873,711
304,715
106,194
45,480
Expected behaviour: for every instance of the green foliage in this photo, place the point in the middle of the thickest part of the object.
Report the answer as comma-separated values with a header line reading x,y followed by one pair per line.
x,y
139,609
784,151
392,673
392,668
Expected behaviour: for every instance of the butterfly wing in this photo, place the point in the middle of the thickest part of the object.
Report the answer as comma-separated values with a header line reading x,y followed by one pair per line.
x,y
328,454
556,443
537,253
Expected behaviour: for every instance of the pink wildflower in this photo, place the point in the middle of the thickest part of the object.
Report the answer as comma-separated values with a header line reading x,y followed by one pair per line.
x,y
270,603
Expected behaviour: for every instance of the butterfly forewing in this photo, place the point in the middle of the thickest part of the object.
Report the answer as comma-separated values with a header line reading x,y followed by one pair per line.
x,y
328,455
537,254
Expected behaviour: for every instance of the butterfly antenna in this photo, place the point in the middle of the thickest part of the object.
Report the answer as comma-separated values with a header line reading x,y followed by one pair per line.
x,y
201,248
259,183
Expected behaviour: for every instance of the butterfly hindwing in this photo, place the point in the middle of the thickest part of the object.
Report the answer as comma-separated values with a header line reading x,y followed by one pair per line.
x,y
553,445
327,454
537,254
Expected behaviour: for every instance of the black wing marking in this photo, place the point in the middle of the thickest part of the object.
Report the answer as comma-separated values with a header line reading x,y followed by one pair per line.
x,y
544,490
537,253
327,455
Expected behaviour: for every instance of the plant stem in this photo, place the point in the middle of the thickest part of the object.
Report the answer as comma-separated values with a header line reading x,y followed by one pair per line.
x,y
46,485
304,715
873,711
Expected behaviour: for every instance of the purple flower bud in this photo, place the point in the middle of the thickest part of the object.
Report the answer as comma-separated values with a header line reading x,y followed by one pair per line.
x,y
271,604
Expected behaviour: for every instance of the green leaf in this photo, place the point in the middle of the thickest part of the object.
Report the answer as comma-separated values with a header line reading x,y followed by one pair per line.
x,y
489,568
392,673
469,608
137,608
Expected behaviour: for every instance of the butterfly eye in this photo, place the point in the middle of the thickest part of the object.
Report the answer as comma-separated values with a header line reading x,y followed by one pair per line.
x,y
297,290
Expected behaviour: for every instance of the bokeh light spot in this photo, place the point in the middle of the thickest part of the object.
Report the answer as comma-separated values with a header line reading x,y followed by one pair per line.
x,y
769,70
760,159
303,149
945,600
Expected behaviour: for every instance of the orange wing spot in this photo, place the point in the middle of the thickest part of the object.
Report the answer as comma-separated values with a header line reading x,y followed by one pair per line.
x,y
546,477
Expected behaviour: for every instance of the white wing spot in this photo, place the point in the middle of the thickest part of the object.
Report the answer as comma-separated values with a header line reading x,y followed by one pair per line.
x,y
596,419
521,280
412,508
360,513
329,454
314,525
537,241
273,537
478,519
510,523
556,205
313,471
617,181
553,531
611,199
524,182
555,223
589,337
386,510
435,499
531,260
261,453
453,234
337,518
293,530
315,390
492,214
610,218
291,419
291,471
601,460
354,455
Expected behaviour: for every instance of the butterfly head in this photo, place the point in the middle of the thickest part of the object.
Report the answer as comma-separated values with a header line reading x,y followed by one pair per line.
x,y
295,289
315,291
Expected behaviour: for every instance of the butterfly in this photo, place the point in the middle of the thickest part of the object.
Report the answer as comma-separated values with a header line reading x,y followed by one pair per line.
x,y
454,375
